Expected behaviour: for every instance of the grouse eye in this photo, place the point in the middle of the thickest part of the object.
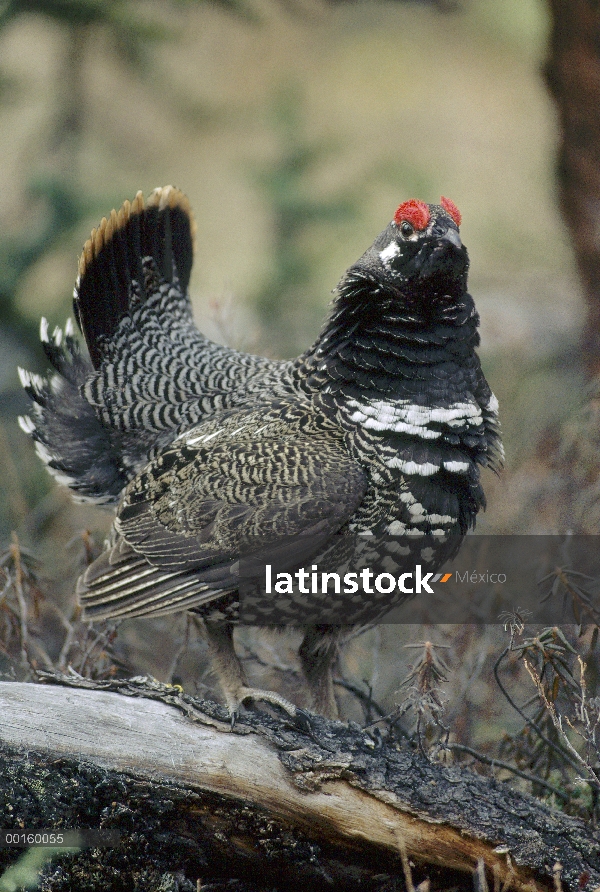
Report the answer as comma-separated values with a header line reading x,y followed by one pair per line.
x,y
406,228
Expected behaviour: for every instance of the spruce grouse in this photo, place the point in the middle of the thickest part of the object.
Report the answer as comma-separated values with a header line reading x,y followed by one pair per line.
x,y
361,453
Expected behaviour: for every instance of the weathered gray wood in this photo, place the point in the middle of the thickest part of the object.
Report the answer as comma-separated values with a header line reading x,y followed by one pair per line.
x,y
335,789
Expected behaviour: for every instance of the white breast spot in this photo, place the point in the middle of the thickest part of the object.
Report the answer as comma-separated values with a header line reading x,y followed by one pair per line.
x,y
402,416
400,427
389,564
492,405
411,467
441,518
417,513
396,548
457,467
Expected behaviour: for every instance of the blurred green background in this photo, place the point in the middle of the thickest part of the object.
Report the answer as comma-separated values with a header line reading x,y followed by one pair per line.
x,y
295,128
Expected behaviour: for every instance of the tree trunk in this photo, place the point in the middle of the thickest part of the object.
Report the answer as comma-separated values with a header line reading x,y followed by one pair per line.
x,y
262,805
573,77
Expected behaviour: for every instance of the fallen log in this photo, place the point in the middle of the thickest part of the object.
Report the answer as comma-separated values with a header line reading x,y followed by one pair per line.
x,y
262,805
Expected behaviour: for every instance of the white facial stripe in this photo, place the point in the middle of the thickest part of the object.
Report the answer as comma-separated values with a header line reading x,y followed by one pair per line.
x,y
388,254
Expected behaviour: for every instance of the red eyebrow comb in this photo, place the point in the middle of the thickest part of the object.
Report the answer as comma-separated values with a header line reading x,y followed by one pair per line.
x,y
415,212
451,209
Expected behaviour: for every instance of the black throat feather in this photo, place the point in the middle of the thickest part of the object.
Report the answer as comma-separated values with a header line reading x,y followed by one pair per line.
x,y
380,335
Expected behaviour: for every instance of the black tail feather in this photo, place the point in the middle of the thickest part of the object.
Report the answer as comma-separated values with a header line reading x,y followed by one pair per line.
x,y
112,260
64,426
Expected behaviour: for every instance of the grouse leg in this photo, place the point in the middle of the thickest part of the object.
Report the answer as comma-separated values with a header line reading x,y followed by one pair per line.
x,y
318,653
232,678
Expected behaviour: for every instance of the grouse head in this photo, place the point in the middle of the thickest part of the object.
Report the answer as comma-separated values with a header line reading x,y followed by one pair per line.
x,y
419,263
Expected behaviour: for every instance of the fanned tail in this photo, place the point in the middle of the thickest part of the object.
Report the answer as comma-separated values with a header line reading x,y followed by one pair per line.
x,y
64,426
122,267
113,259
152,374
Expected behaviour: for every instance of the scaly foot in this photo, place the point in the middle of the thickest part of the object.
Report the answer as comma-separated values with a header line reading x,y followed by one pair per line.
x,y
235,699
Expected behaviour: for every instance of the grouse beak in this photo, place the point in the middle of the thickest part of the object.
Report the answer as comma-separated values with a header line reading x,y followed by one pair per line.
x,y
452,236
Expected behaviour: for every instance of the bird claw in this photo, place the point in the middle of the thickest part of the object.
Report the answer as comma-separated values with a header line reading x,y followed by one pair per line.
x,y
301,719
304,721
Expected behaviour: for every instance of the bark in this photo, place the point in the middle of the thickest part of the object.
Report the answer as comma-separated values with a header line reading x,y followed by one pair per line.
x,y
262,805
573,77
